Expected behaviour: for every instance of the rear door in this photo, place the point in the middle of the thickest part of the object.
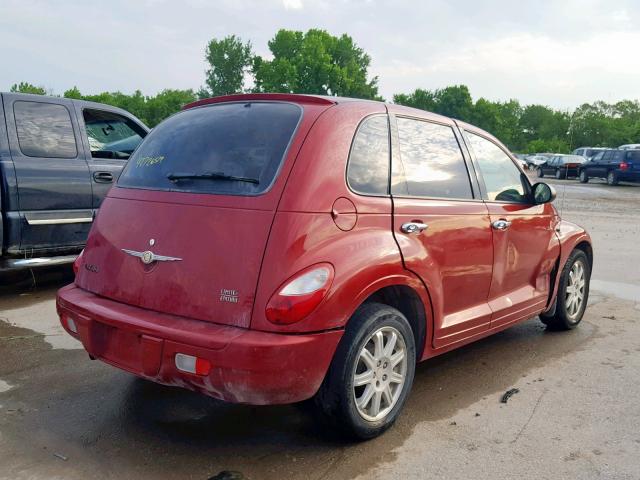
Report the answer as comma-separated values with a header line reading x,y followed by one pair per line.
x,y
441,225
109,137
525,246
54,189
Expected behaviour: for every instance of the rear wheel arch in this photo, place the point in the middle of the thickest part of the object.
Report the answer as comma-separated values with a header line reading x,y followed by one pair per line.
x,y
408,301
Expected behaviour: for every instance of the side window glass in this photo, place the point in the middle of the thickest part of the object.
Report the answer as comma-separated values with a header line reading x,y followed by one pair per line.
x,y
431,162
618,156
607,156
368,166
44,130
111,135
501,177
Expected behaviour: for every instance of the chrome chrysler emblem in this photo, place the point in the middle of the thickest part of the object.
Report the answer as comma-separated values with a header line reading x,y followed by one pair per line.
x,y
148,257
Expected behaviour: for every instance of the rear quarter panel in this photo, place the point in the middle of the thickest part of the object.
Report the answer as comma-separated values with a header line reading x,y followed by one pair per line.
x,y
365,258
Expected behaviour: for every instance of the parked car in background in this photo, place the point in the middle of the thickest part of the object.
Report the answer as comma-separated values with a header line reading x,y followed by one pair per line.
x,y
522,160
58,159
285,248
561,166
588,152
629,146
537,159
612,165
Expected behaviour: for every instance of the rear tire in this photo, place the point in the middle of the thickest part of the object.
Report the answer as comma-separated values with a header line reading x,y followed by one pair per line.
x,y
612,178
540,172
384,374
573,294
584,178
560,175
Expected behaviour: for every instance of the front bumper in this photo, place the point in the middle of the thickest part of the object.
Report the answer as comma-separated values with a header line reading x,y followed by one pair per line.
x,y
248,366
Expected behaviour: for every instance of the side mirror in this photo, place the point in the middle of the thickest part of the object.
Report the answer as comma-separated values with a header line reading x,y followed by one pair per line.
x,y
543,193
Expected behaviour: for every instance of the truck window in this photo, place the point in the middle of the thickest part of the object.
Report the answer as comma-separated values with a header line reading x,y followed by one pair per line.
x,y
44,130
111,135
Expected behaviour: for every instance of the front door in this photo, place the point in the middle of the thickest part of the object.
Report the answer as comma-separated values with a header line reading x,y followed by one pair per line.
x,y
54,189
109,136
442,226
525,246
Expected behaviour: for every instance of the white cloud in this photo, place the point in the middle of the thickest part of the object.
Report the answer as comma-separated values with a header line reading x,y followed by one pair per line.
x,y
292,4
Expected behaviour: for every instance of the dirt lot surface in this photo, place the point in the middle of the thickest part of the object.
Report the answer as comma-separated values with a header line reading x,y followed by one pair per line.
x,y
577,413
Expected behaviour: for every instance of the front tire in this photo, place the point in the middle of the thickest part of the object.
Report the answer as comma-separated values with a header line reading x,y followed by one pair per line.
x,y
584,178
612,178
371,373
573,294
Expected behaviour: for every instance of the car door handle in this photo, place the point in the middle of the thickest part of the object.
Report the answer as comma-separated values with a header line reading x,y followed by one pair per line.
x,y
501,224
413,227
103,177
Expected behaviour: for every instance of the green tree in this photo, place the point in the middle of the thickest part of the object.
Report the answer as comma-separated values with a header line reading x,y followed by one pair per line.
x,y
228,61
315,62
25,87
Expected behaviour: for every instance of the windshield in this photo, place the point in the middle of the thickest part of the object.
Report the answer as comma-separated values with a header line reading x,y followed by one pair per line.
x,y
214,149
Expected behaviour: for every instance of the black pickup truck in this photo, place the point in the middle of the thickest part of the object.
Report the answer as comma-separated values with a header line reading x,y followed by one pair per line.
x,y
58,159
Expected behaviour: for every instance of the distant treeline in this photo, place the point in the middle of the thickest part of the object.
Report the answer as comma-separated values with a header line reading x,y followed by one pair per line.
x,y
316,62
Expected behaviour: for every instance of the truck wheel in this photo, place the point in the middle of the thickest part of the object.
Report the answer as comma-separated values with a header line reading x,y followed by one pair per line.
x,y
612,178
540,172
573,294
584,178
560,175
371,373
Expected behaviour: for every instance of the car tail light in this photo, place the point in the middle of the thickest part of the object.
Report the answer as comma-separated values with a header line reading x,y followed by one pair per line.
x,y
77,262
624,166
300,295
191,364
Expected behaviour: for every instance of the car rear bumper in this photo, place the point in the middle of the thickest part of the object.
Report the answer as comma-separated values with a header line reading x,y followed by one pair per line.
x,y
247,366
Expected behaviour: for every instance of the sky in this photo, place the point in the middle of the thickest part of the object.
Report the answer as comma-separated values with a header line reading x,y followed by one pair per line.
x,y
557,53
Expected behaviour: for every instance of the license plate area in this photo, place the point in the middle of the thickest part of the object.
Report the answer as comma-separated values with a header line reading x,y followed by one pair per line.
x,y
129,350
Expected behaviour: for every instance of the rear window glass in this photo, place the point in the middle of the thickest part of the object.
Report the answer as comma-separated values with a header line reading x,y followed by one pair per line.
x,y
230,148
633,155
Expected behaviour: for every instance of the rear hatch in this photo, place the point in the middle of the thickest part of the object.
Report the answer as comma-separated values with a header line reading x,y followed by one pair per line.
x,y
632,159
184,230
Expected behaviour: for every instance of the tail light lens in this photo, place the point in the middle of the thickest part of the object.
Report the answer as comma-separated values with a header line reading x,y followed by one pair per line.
x,y
300,295
77,262
624,166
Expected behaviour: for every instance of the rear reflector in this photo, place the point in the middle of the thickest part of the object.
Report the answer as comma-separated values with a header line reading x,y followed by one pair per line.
x,y
624,166
71,324
191,364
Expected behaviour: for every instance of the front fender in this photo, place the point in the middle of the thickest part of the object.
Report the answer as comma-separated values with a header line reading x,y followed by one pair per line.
x,y
570,235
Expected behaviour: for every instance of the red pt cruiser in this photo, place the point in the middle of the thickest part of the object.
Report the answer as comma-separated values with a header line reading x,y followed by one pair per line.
x,y
271,248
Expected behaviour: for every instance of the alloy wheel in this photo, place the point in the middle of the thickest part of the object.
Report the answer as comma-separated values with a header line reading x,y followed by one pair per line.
x,y
574,293
380,373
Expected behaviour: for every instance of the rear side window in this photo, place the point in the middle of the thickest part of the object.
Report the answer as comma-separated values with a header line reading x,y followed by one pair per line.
x,y
44,130
229,148
502,178
618,156
431,162
368,167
